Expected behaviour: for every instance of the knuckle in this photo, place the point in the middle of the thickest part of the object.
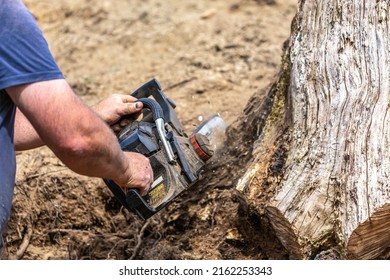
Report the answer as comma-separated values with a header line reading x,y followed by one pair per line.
x,y
116,96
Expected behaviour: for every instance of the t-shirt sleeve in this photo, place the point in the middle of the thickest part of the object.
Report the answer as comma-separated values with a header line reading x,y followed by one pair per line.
x,y
24,53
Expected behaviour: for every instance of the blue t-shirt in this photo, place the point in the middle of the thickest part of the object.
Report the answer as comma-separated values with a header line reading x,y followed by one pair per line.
x,y
24,58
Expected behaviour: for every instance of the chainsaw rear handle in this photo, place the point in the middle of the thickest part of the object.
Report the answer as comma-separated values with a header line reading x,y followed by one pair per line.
x,y
132,200
138,204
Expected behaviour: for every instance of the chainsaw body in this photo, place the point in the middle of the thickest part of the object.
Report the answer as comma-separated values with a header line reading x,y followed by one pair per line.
x,y
176,159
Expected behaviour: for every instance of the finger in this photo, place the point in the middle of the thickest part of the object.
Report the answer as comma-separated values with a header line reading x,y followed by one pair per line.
x,y
143,192
116,128
129,112
127,98
125,122
131,108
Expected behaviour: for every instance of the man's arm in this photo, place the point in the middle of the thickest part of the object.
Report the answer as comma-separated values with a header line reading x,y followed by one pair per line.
x,y
110,109
77,135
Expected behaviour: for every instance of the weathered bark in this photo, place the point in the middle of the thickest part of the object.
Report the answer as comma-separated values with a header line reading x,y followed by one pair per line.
x,y
324,154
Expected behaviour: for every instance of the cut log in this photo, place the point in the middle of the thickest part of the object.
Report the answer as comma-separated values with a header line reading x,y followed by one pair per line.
x,y
323,156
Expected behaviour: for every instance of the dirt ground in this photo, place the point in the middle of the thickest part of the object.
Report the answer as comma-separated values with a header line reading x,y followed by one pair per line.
x,y
210,56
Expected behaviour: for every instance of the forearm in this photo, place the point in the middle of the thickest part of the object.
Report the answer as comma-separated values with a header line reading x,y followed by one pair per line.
x,y
25,135
110,110
69,128
96,151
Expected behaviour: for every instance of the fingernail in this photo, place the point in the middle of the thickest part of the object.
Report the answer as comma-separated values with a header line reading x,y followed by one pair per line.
x,y
137,105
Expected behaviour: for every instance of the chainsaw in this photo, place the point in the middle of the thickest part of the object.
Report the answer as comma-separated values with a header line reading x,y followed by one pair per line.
x,y
177,160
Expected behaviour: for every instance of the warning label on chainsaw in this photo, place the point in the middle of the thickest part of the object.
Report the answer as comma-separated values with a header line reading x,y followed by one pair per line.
x,y
158,192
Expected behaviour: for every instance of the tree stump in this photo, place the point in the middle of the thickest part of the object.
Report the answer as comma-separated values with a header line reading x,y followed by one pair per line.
x,y
323,155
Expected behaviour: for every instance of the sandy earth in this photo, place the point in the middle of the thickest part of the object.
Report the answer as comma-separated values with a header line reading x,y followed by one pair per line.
x,y
210,57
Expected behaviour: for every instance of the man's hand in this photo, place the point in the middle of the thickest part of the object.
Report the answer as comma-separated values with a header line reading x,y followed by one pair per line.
x,y
139,173
116,106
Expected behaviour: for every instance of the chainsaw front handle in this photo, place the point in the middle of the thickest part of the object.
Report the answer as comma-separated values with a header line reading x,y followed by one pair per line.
x,y
158,118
